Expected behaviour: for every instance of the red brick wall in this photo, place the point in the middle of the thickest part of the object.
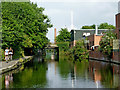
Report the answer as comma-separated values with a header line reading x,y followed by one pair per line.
x,y
91,40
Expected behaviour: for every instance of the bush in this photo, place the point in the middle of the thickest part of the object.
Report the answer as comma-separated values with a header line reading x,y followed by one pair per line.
x,y
79,51
106,43
63,46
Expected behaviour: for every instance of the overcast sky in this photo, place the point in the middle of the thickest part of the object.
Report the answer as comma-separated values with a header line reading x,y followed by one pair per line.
x,y
84,13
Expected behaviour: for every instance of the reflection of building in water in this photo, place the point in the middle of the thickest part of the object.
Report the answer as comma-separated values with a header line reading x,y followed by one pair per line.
x,y
94,69
97,78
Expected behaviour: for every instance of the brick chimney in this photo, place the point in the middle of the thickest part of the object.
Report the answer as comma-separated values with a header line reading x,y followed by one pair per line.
x,y
55,35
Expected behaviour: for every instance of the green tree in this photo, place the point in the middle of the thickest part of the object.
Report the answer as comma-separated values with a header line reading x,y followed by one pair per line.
x,y
63,39
89,27
24,26
80,52
63,36
106,26
105,43
101,26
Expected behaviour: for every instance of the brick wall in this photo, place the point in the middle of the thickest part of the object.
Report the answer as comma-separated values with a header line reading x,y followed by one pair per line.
x,y
118,25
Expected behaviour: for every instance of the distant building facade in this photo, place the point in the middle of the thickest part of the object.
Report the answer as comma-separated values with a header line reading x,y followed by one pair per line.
x,y
82,33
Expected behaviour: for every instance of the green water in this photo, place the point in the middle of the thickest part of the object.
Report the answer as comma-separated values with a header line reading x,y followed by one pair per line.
x,y
63,74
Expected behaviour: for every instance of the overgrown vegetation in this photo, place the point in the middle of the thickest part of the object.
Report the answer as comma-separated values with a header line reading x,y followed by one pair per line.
x,y
63,46
106,45
78,52
24,26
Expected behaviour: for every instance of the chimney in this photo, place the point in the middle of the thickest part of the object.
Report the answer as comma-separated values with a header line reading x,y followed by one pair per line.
x,y
55,35
96,30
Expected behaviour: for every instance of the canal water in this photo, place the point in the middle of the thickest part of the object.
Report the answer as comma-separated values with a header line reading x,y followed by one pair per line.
x,y
63,74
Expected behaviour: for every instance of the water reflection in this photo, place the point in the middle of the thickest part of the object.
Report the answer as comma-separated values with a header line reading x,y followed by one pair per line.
x,y
8,80
63,74
104,74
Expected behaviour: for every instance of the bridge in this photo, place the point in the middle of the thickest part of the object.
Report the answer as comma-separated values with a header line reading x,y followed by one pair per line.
x,y
55,49
52,46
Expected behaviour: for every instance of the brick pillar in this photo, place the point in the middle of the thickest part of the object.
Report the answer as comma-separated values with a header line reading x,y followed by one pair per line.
x,y
118,25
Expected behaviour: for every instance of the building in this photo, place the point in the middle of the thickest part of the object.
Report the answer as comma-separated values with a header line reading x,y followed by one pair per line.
x,y
94,40
82,33
118,22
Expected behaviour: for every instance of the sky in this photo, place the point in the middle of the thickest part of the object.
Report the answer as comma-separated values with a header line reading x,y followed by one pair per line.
x,y
85,12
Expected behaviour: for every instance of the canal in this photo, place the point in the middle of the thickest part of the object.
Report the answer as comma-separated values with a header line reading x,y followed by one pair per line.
x,y
63,74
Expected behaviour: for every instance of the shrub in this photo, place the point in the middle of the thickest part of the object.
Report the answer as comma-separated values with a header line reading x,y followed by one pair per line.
x,y
63,46
79,51
105,44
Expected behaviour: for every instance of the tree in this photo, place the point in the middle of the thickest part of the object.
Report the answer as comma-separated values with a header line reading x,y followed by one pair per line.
x,y
106,26
89,27
79,51
105,43
63,36
63,39
101,26
24,26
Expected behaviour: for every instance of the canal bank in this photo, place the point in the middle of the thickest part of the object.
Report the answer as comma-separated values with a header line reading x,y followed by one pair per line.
x,y
104,60
99,56
14,64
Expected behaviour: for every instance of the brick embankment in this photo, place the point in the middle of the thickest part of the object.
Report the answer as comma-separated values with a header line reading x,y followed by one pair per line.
x,y
98,56
11,65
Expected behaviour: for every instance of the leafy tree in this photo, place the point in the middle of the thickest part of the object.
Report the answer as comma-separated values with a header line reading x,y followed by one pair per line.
x,y
101,26
105,43
63,39
63,36
106,26
63,46
24,26
80,52
89,27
